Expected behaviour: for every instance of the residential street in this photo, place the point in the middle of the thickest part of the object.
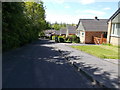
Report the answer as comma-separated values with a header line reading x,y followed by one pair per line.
x,y
39,65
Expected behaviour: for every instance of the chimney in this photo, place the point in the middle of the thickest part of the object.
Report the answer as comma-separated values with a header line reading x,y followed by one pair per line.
x,y
96,18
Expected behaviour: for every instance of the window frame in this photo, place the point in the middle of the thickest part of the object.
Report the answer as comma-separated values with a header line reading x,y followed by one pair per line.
x,y
115,28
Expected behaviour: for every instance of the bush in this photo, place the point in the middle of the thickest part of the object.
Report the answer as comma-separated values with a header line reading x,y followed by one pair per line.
x,y
61,39
56,39
68,39
73,39
77,40
53,37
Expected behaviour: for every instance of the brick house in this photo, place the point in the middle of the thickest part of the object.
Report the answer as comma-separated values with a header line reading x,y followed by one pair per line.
x,y
87,29
113,36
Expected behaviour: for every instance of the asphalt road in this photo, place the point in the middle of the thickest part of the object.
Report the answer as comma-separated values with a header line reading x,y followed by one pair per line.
x,y
38,65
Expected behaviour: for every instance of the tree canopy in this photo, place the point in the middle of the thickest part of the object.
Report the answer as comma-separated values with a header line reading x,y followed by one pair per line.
x,y
21,23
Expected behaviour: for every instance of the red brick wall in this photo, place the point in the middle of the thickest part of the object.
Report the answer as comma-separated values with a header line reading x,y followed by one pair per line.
x,y
89,36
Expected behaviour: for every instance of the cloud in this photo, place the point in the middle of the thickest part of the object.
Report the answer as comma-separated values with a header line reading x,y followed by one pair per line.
x,y
106,8
67,6
62,18
90,12
67,18
57,1
78,11
94,12
84,2
76,1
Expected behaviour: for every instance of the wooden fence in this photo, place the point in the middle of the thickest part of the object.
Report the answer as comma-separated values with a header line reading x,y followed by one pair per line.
x,y
98,40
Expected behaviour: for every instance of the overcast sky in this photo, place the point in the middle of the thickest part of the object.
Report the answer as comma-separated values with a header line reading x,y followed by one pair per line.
x,y
70,11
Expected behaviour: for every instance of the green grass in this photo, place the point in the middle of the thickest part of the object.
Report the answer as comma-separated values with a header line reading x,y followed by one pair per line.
x,y
101,51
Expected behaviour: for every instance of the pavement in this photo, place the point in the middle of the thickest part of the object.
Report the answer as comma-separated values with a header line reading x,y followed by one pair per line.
x,y
40,65
104,72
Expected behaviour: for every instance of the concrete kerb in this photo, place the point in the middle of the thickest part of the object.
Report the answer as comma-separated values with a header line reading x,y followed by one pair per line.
x,y
94,81
82,71
74,64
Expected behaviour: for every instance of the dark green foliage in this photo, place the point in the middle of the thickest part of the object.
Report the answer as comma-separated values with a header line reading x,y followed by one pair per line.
x,y
56,39
73,39
53,37
48,25
77,40
61,39
64,39
21,23
41,34
58,26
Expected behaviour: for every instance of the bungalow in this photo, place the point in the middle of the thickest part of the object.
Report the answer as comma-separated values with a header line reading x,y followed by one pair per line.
x,y
49,32
87,29
63,31
57,32
69,30
113,36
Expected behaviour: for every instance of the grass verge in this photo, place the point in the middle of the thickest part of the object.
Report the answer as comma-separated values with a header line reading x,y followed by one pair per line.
x,y
101,51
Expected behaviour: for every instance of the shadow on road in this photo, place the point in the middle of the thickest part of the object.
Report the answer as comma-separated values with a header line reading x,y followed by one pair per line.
x,y
97,73
39,65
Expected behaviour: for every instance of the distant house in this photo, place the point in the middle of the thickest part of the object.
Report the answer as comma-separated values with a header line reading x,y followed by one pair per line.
x,y
63,31
113,36
49,32
87,29
71,30
57,32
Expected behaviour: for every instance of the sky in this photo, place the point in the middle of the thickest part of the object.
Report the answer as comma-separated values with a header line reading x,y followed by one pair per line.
x,y
70,11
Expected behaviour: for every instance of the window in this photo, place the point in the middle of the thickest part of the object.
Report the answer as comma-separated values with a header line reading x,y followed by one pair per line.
x,y
82,34
118,29
115,30
113,26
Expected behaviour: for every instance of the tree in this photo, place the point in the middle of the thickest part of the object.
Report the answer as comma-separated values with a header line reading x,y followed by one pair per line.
x,y
22,22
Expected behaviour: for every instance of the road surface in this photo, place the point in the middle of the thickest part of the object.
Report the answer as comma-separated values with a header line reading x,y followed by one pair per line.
x,y
39,65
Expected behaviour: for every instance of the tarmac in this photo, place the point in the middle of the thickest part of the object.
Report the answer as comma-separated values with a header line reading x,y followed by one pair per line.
x,y
104,72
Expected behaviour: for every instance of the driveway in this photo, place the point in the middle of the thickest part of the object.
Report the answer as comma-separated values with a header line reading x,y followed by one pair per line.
x,y
39,65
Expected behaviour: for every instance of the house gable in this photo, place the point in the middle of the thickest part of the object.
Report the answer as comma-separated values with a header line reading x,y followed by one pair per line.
x,y
115,16
80,27
116,19
113,36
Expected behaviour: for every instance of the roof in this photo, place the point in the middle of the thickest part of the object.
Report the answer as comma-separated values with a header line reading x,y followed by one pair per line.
x,y
49,31
63,31
57,32
114,15
94,24
71,29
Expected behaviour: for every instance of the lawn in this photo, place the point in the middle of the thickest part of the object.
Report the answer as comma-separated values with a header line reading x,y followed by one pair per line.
x,y
101,51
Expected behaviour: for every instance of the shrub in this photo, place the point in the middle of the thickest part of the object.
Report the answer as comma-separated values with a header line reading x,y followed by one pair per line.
x,y
77,40
53,37
61,39
68,39
73,39
56,39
